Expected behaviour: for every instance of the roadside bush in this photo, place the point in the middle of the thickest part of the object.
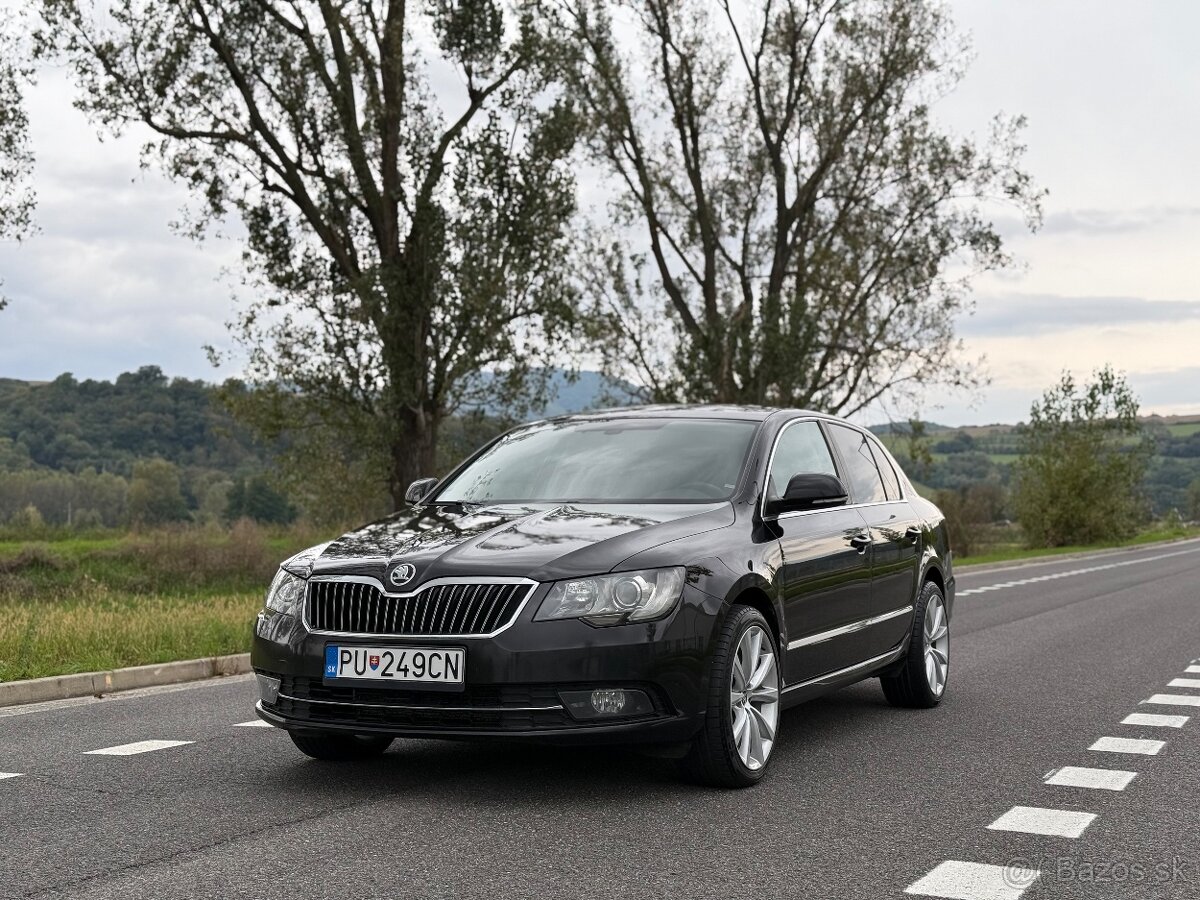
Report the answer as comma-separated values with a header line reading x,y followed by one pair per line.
x,y
970,512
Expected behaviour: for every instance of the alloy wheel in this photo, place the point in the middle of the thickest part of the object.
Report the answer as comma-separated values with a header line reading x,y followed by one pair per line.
x,y
937,645
754,697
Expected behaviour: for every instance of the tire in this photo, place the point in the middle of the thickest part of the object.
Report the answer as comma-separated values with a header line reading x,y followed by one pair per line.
x,y
722,755
920,681
340,747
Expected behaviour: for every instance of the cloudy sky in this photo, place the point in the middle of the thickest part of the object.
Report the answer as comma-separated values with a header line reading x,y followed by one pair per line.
x,y
1112,94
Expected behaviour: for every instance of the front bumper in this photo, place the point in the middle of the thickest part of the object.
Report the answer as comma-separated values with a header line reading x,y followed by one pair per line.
x,y
513,680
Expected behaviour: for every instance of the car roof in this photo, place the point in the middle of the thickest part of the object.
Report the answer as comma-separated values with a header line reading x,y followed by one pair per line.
x,y
683,411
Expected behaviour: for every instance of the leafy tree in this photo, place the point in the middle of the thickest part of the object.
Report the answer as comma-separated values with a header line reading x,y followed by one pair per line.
x,y
154,496
397,247
254,498
1193,501
800,230
16,156
1085,457
29,519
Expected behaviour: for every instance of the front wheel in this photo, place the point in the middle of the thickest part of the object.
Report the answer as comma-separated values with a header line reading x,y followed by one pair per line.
x,y
920,683
340,746
733,747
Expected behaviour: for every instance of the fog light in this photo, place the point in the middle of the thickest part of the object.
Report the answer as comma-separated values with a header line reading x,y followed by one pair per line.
x,y
608,703
268,688
604,703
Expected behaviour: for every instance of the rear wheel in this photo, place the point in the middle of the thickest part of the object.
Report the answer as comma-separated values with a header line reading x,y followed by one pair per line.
x,y
733,747
920,682
340,746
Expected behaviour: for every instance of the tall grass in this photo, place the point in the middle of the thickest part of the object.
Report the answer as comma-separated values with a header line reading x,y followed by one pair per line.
x,y
80,604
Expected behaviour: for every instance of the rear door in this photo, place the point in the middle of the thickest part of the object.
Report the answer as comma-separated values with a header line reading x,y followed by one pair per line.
x,y
896,534
826,570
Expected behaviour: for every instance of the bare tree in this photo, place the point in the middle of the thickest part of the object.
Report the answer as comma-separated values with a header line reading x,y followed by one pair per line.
x,y
797,228
408,258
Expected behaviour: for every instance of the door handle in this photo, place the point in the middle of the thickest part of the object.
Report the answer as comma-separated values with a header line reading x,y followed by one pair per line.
x,y
861,541
913,533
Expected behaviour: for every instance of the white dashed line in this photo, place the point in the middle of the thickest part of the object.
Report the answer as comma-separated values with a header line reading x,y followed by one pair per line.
x,y
1036,820
1184,682
974,881
137,747
1128,745
1154,720
4,775
1034,580
254,723
1192,670
1175,699
1096,779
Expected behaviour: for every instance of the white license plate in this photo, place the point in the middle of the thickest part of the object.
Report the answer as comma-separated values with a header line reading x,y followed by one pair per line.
x,y
441,665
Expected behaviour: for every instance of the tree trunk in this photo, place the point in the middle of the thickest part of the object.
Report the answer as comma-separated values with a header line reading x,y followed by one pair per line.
x,y
413,451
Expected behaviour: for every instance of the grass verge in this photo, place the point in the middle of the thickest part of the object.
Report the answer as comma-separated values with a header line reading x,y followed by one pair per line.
x,y
1016,553
84,605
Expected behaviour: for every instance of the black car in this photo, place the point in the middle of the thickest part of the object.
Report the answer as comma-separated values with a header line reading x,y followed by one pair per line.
x,y
667,575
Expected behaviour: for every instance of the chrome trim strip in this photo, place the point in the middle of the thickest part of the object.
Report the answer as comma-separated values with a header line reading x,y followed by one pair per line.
x,y
486,709
853,627
466,579
831,676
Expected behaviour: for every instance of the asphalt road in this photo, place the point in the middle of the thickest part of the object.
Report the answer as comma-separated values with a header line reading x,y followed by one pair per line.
x,y
863,800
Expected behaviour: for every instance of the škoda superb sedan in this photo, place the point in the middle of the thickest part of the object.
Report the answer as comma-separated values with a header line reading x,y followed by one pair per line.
x,y
675,576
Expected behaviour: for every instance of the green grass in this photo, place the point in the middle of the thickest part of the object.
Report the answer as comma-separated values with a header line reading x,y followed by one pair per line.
x,y
1015,552
1183,429
94,603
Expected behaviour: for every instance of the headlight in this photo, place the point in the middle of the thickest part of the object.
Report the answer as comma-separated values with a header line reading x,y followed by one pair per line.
x,y
286,593
614,599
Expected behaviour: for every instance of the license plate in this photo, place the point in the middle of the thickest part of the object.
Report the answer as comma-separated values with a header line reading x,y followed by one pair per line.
x,y
441,665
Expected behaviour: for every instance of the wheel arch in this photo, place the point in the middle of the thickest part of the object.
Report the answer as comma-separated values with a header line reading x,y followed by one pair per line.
x,y
754,596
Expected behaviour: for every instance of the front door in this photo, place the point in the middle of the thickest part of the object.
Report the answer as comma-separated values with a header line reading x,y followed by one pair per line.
x,y
826,565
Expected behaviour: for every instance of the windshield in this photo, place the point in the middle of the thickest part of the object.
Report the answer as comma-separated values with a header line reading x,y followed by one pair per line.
x,y
608,460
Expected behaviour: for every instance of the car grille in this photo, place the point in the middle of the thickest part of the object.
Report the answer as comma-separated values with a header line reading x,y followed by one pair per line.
x,y
468,608
484,708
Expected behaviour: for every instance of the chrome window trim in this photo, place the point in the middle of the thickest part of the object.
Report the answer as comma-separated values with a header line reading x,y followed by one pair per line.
x,y
465,579
762,500
486,709
852,628
830,676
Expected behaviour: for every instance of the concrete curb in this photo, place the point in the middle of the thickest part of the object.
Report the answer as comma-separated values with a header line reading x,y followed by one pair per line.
x,y
965,568
62,687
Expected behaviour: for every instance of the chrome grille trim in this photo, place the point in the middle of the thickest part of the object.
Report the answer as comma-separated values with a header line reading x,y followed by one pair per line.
x,y
441,603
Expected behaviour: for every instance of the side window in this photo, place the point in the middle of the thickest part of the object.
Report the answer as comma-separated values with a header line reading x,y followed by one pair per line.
x,y
801,450
861,475
891,481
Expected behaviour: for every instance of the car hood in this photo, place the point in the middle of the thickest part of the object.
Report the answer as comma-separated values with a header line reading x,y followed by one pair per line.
x,y
542,542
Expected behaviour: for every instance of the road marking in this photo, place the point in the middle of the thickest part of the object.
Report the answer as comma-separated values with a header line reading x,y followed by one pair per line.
x,y
1033,580
974,881
137,747
259,723
1175,699
1036,820
1185,682
1096,779
1155,720
4,775
1128,745
1193,670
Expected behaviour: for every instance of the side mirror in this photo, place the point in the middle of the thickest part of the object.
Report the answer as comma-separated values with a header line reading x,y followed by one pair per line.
x,y
810,491
419,490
